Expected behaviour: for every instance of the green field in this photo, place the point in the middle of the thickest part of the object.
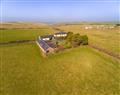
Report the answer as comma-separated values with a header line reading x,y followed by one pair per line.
x,y
108,39
22,34
79,71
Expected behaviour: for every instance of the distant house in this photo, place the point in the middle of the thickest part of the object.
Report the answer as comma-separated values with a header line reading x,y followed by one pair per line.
x,y
47,37
60,34
88,27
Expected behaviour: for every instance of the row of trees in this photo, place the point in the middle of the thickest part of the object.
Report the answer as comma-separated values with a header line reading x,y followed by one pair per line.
x,y
74,40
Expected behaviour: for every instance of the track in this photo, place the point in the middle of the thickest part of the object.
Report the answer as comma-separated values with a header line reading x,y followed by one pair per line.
x,y
105,51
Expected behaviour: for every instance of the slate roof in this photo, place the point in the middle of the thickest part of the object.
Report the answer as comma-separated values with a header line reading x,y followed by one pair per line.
x,y
60,33
52,45
43,44
47,36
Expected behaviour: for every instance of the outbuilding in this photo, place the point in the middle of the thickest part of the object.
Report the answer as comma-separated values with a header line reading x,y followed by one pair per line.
x,y
47,37
44,46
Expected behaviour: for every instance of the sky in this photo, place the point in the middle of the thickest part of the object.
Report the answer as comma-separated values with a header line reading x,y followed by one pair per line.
x,y
59,10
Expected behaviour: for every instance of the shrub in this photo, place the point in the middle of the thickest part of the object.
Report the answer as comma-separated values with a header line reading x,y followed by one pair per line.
x,y
69,36
67,45
75,40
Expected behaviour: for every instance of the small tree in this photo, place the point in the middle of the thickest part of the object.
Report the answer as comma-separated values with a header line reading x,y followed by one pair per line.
x,y
84,40
69,36
76,40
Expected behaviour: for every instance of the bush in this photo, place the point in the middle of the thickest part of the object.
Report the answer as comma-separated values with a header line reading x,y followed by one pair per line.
x,y
75,40
67,45
69,36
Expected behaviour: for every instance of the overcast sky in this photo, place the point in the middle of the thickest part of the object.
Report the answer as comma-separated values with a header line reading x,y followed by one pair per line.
x,y
59,10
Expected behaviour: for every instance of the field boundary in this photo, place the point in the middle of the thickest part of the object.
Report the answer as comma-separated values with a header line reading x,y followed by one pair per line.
x,y
105,51
17,42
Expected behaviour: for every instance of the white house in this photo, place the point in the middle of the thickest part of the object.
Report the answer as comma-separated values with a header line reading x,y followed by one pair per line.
x,y
60,34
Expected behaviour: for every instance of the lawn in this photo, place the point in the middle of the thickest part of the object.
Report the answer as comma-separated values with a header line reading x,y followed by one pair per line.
x,y
79,71
108,39
23,34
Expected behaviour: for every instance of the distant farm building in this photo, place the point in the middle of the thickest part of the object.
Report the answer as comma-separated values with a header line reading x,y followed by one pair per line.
x,y
88,27
60,34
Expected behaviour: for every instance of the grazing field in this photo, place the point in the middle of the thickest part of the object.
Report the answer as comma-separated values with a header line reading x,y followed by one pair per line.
x,y
22,34
108,39
22,25
79,71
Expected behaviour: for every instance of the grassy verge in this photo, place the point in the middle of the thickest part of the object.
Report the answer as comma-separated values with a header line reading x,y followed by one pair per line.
x,y
81,71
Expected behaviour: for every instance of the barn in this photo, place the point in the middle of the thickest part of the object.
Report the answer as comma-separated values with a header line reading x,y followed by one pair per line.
x,y
44,46
47,37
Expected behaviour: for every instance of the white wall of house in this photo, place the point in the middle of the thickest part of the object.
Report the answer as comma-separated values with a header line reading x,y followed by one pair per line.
x,y
46,39
60,35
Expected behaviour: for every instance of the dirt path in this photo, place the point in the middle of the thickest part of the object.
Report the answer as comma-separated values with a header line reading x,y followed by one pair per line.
x,y
105,51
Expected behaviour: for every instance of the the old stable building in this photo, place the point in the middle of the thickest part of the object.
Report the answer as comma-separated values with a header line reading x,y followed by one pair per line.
x,y
44,46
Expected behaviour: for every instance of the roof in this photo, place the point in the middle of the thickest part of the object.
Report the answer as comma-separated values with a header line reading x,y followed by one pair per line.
x,y
47,36
60,33
43,44
52,45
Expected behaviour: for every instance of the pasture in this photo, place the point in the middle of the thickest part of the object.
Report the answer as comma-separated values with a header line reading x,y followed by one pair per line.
x,y
108,39
79,71
23,34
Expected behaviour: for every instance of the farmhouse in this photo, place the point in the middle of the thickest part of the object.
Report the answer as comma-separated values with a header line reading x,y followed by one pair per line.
x,y
60,34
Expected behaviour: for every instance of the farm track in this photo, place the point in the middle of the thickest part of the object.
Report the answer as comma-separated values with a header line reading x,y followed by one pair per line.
x,y
105,51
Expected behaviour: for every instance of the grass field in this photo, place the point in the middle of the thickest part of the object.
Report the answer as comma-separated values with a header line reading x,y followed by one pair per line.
x,y
108,39
79,71
23,34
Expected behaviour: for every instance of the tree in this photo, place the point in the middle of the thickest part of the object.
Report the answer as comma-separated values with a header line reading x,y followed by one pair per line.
x,y
76,40
69,36
84,40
